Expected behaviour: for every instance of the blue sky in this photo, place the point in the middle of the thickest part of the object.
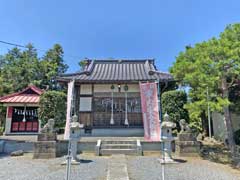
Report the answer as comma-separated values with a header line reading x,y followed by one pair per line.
x,y
157,29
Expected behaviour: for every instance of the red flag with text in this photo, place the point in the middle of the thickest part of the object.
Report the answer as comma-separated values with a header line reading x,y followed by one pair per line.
x,y
149,101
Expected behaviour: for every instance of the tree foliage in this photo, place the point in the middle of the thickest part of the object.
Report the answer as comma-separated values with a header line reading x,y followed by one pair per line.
x,y
173,104
22,67
51,66
19,68
53,105
212,64
83,63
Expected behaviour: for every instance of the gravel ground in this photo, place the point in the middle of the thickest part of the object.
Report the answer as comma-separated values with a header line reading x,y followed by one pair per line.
x,y
149,168
25,168
95,168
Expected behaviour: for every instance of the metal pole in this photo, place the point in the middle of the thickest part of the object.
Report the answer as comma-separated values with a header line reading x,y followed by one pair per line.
x,y
69,159
69,156
160,117
209,118
163,163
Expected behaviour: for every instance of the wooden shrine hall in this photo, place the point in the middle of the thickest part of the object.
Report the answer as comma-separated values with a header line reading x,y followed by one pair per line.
x,y
107,95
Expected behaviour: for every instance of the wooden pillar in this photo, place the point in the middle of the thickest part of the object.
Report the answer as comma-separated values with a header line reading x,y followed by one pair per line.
x,y
8,123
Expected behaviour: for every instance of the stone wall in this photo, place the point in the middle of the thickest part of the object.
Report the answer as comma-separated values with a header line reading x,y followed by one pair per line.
x,y
10,146
62,146
219,126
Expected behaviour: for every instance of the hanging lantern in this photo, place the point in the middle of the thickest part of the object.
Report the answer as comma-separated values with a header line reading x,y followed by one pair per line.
x,y
119,88
112,87
126,87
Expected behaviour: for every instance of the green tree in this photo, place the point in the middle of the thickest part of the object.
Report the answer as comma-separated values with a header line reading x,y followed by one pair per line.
x,y
53,105
173,103
22,67
51,66
212,64
18,69
83,63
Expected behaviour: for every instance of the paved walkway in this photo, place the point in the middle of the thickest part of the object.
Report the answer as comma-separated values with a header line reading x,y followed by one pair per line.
x,y
117,168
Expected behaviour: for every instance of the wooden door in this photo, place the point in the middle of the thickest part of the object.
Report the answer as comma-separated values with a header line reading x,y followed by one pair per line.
x,y
85,118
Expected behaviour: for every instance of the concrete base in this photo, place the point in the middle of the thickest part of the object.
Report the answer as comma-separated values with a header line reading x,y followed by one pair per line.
x,y
167,161
187,146
73,162
114,132
47,137
44,150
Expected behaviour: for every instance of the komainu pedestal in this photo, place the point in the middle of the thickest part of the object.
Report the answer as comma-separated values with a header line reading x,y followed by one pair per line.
x,y
186,143
44,150
45,147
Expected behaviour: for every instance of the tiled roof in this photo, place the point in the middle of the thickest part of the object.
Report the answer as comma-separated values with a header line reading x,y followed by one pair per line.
x,y
29,95
118,70
22,99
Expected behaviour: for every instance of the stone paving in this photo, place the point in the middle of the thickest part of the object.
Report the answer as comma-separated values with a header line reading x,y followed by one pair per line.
x,y
117,168
96,168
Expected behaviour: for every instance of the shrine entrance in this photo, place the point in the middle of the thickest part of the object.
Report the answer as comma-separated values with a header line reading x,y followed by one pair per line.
x,y
102,110
24,119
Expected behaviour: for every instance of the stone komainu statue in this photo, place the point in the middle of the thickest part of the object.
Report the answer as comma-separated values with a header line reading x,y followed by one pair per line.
x,y
49,127
184,126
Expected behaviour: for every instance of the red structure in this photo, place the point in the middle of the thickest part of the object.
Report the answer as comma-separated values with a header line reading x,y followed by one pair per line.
x,y
22,111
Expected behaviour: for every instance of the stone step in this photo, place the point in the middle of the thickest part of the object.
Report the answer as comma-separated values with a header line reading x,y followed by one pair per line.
x,y
118,151
118,142
119,146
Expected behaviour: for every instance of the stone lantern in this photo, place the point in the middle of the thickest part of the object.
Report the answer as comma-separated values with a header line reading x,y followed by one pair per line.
x,y
167,138
75,128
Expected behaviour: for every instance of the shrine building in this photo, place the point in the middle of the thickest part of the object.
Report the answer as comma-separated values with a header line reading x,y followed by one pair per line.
x,y
106,95
22,111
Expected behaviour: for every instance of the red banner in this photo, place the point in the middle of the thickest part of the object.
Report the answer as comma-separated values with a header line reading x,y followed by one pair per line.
x,y
69,106
150,112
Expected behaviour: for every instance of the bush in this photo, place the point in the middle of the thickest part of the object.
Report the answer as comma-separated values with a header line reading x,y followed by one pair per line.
x,y
237,137
173,103
53,105
1,130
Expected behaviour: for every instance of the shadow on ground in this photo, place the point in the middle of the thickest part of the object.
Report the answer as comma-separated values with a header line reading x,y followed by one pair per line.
x,y
180,160
85,161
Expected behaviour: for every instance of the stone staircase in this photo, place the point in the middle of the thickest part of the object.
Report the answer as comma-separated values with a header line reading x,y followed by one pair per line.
x,y
109,147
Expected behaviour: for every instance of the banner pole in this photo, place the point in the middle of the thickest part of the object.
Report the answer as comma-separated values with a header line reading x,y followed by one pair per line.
x,y
161,134
69,155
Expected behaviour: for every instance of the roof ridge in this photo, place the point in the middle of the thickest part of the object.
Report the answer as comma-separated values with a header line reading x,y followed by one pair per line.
x,y
122,60
32,87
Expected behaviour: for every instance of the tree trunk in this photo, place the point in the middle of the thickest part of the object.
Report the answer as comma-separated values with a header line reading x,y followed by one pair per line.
x,y
204,124
227,118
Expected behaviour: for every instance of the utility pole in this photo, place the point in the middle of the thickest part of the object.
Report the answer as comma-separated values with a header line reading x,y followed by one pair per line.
x,y
209,118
